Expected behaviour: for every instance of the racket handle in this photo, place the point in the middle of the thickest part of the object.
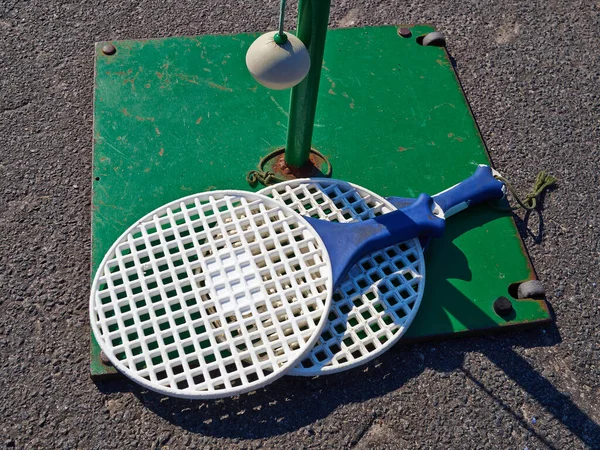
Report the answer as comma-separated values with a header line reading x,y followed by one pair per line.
x,y
478,188
347,243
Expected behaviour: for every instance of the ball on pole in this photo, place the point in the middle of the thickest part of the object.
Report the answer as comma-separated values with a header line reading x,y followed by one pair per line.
x,y
278,65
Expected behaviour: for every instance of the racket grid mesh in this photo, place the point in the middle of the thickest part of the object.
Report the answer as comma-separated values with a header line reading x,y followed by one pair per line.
x,y
381,294
211,295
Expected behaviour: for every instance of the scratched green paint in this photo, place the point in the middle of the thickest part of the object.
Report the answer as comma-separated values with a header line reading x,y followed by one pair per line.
x,y
182,115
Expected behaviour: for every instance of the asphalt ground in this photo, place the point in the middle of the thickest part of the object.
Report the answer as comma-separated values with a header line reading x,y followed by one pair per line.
x,y
531,71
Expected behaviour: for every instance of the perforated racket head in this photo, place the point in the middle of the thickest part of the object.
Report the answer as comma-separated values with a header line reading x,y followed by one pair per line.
x,y
379,298
212,295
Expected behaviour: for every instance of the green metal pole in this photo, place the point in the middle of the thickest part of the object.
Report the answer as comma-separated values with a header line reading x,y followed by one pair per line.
x,y
313,17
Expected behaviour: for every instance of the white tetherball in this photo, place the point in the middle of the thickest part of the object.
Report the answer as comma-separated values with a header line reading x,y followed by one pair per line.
x,y
278,66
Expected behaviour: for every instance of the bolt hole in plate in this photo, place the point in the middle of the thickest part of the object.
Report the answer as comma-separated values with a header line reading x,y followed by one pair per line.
x,y
376,303
435,39
527,289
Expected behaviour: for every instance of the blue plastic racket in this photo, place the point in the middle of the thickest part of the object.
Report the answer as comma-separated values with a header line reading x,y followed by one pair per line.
x,y
375,303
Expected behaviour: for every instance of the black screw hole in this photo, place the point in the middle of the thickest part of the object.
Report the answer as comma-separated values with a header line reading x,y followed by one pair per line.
x,y
97,178
504,308
404,32
109,49
105,359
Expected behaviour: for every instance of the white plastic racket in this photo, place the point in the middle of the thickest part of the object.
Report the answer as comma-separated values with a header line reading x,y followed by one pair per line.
x,y
379,298
220,293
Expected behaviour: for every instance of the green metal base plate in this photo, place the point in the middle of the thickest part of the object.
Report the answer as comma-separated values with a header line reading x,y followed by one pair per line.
x,y
182,115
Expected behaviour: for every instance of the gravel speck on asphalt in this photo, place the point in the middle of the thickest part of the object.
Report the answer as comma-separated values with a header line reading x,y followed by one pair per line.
x,y
531,71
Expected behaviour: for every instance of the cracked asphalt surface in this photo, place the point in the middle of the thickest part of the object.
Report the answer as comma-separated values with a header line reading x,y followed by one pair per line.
x,y
531,71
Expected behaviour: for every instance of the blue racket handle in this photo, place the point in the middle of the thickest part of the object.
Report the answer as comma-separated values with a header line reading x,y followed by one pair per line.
x,y
347,243
478,188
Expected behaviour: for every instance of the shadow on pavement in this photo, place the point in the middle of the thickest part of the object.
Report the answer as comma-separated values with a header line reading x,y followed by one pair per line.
x,y
295,402
291,403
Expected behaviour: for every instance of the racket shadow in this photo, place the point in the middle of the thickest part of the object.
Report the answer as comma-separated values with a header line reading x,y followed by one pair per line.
x,y
287,405
292,403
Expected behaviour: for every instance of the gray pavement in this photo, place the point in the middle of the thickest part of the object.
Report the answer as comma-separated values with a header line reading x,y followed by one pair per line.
x,y
531,71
